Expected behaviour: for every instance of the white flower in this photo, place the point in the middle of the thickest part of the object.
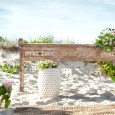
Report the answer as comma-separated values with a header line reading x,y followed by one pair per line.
x,y
7,85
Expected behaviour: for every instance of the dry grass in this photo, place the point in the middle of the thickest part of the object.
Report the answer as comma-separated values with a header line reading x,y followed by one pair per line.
x,y
8,46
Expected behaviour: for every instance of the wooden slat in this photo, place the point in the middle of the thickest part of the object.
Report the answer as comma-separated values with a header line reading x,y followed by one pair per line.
x,y
66,52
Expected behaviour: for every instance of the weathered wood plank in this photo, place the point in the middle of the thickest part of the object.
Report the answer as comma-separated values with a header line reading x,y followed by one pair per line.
x,y
66,52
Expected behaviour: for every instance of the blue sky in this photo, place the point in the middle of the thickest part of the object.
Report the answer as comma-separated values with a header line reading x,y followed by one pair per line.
x,y
78,20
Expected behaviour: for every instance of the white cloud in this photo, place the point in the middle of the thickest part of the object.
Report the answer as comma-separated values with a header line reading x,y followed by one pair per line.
x,y
81,21
109,2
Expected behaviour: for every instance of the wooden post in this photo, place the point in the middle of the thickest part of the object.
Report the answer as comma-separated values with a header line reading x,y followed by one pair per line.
x,y
21,72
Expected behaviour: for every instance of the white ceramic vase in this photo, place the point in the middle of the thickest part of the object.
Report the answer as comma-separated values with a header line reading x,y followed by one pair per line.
x,y
49,82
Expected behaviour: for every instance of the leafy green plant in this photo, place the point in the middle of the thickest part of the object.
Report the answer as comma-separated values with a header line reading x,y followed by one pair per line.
x,y
47,64
42,39
25,41
12,69
5,92
46,39
108,67
106,40
34,41
2,39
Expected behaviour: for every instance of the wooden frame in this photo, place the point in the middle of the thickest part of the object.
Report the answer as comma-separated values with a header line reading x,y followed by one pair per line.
x,y
60,52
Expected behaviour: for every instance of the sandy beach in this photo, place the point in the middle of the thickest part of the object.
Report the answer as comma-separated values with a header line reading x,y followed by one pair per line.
x,y
80,84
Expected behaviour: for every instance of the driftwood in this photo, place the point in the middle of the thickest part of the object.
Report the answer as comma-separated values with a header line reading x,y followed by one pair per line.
x,y
60,52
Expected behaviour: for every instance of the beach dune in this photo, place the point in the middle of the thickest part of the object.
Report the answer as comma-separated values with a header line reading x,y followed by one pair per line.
x,y
80,84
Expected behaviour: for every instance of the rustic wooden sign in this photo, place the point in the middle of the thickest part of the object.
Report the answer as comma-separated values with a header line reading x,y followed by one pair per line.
x,y
60,52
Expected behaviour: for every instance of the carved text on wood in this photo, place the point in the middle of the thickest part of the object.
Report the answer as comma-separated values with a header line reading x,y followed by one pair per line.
x,y
80,54
39,53
66,53
107,54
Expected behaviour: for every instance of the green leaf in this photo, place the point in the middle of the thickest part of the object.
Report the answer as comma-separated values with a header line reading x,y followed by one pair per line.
x,y
113,78
5,66
7,103
2,91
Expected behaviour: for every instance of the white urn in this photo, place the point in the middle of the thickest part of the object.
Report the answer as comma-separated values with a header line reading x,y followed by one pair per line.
x,y
49,82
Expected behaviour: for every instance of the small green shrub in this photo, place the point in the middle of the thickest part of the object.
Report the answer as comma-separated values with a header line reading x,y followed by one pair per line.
x,y
46,39
12,69
25,41
47,64
108,67
34,41
2,39
106,40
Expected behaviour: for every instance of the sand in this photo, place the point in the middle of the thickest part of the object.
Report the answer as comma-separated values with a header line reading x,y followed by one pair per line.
x,y
80,84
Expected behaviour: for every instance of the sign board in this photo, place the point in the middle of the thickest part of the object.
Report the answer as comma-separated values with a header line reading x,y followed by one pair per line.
x,y
60,52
